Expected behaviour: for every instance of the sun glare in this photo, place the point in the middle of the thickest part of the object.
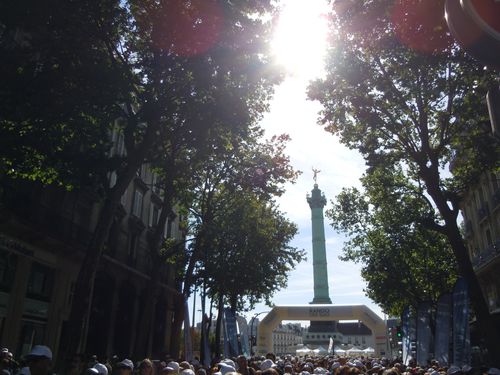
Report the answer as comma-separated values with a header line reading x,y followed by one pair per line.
x,y
299,43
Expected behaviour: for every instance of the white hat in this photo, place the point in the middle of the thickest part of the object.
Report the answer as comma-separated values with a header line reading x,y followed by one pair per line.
x,y
103,370
493,371
320,370
358,363
126,363
225,368
174,366
229,362
268,363
40,351
187,371
335,365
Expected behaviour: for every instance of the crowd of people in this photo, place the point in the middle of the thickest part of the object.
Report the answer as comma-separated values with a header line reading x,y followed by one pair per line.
x,y
39,362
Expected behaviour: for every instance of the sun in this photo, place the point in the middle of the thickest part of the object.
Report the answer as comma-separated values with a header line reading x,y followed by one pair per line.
x,y
300,39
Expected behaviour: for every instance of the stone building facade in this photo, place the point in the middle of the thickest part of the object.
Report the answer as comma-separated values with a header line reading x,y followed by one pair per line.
x,y
481,211
44,232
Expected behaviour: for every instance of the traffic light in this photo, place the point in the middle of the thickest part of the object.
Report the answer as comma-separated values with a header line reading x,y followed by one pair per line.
x,y
399,332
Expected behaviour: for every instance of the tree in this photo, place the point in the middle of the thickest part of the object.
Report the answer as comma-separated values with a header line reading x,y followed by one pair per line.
x,y
399,91
229,192
404,262
253,256
58,93
173,72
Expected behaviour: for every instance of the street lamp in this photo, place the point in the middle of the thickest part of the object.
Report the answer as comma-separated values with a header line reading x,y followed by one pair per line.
x,y
252,336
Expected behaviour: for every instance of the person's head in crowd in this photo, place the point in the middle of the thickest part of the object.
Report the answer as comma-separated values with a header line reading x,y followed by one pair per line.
x,y
184,365
39,360
101,369
91,371
242,362
187,371
167,371
308,367
77,364
391,371
271,356
174,365
288,369
146,367
201,371
270,371
493,371
125,367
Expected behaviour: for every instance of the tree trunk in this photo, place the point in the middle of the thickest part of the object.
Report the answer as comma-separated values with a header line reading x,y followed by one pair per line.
x,y
175,339
74,338
487,324
153,290
220,307
204,333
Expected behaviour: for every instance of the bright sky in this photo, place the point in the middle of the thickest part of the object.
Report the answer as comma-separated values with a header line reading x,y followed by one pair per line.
x,y
299,45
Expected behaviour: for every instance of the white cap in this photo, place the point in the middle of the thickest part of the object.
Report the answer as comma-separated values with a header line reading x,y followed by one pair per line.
x,y
225,368
174,365
103,370
268,363
40,351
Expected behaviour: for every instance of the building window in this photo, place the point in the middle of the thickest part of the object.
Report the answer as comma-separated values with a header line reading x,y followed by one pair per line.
x,y
155,184
137,203
132,249
154,214
8,263
40,282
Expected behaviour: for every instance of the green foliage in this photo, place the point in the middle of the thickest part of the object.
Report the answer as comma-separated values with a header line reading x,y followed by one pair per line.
x,y
253,257
405,96
240,246
58,93
404,262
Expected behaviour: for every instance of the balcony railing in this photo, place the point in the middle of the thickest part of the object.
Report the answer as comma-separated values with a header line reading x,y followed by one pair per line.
x,y
486,256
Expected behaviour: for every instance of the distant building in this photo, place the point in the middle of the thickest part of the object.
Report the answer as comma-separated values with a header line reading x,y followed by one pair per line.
x,y
356,334
286,338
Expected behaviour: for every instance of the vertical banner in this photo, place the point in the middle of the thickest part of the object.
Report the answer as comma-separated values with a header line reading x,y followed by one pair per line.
x,y
230,334
330,346
405,326
207,356
413,335
423,332
245,343
188,345
443,325
461,335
